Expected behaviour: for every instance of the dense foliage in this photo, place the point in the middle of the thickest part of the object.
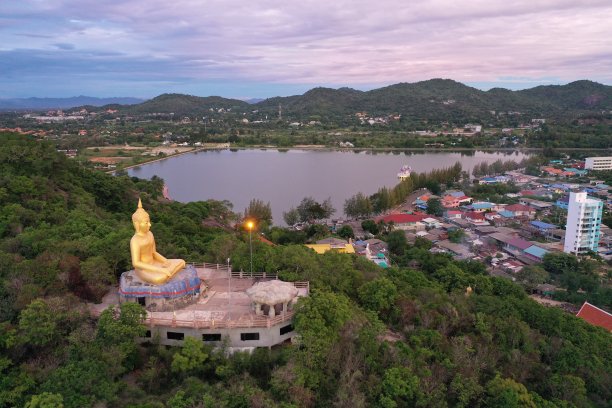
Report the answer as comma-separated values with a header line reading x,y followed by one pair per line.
x,y
404,336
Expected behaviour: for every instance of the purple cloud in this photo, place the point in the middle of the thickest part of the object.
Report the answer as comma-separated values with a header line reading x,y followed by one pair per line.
x,y
356,43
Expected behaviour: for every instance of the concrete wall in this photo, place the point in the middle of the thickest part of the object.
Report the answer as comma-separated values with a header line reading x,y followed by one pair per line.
x,y
268,337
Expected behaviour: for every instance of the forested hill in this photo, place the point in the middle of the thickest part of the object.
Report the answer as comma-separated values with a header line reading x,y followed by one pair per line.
x,y
182,105
369,337
436,99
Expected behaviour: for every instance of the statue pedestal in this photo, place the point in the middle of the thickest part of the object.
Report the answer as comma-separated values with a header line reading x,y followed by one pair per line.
x,y
182,290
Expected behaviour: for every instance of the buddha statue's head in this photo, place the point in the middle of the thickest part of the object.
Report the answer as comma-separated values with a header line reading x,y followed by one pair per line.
x,y
140,219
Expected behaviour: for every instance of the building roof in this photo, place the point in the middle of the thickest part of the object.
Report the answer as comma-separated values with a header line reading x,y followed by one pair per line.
x,y
475,215
501,237
564,199
519,243
455,248
506,214
595,316
536,251
519,207
322,248
482,205
486,229
457,194
403,218
542,225
332,241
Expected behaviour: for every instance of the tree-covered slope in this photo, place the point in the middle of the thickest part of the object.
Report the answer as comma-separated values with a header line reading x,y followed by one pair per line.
x,y
186,104
368,337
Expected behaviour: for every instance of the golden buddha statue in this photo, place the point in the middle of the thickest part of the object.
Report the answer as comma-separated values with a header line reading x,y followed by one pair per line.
x,y
150,265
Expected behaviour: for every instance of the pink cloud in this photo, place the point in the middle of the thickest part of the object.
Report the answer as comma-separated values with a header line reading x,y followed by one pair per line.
x,y
352,42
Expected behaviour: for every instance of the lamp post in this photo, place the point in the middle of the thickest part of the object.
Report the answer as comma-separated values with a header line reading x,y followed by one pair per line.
x,y
229,286
250,226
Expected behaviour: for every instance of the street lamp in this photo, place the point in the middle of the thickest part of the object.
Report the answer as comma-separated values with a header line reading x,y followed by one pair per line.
x,y
250,226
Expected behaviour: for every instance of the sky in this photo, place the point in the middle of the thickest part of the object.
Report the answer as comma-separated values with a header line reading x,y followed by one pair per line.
x,y
256,49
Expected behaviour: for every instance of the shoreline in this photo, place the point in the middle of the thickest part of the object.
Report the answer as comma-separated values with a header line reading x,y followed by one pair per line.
x,y
357,150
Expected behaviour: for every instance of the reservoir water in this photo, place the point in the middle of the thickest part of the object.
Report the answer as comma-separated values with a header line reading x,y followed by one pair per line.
x,y
283,178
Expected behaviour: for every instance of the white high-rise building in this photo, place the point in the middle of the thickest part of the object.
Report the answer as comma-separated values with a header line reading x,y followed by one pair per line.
x,y
583,223
598,163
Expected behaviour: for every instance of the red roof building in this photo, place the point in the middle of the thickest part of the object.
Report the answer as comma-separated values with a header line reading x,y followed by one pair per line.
x,y
399,219
595,316
475,216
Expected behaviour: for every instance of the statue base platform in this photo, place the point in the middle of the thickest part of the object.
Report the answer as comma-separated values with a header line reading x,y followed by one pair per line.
x,y
182,290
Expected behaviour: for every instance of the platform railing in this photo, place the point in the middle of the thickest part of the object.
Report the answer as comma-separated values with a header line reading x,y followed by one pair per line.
x,y
195,323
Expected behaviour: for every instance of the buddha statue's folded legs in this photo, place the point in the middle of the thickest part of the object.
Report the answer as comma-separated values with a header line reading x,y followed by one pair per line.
x,y
160,273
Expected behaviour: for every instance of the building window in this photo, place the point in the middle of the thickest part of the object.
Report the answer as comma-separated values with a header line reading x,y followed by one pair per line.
x,y
148,334
249,336
141,301
211,337
286,329
175,335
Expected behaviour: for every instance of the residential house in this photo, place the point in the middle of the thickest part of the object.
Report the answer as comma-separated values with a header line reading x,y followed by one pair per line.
x,y
480,207
562,202
374,250
536,204
520,211
542,228
457,250
535,253
551,171
453,214
404,221
329,244
431,222
454,201
476,218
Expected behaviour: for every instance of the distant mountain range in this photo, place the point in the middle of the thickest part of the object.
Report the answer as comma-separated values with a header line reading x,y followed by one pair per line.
x,y
435,99
63,103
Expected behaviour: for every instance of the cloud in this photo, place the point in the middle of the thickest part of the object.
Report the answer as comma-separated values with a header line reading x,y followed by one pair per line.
x,y
64,46
343,42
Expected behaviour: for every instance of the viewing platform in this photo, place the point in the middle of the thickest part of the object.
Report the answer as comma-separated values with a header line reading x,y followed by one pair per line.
x,y
222,310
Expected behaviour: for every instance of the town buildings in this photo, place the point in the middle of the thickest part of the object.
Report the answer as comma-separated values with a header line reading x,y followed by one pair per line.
x,y
583,224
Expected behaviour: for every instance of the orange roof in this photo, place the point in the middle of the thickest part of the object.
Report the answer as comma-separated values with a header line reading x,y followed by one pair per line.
x,y
266,241
595,316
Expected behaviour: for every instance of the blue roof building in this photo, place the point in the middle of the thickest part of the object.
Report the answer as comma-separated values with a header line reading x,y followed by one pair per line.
x,y
562,202
543,226
457,194
481,206
506,214
536,252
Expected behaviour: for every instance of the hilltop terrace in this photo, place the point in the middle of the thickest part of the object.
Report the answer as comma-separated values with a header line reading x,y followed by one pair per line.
x,y
222,310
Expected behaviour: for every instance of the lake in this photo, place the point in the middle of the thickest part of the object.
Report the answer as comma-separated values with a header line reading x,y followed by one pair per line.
x,y
283,178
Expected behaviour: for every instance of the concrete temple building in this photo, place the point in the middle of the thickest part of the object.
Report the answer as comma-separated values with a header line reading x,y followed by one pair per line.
x,y
207,301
